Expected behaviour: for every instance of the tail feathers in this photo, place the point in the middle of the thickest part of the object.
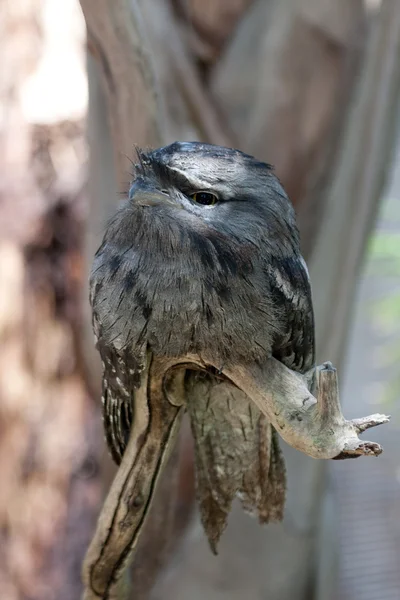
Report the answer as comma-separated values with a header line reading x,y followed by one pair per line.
x,y
237,455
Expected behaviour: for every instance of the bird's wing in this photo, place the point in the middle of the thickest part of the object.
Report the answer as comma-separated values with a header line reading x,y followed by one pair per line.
x,y
121,377
120,374
290,288
122,363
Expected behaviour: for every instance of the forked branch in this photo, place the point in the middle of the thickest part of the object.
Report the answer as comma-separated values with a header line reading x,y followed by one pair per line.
x,y
310,421
127,505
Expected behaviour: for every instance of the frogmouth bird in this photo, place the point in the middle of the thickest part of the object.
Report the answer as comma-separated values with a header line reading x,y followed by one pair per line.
x,y
203,259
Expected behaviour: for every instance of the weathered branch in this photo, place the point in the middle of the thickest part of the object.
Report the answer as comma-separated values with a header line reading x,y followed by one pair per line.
x,y
314,425
122,517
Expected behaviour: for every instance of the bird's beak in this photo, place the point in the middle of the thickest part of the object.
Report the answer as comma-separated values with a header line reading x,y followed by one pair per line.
x,y
143,194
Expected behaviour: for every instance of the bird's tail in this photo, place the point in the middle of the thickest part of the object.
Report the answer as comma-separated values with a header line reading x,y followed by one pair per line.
x,y
237,455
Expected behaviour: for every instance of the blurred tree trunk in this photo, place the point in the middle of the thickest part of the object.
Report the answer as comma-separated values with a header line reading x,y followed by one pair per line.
x,y
49,431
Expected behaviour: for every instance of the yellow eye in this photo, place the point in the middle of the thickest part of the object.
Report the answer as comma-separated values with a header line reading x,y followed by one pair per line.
x,y
204,198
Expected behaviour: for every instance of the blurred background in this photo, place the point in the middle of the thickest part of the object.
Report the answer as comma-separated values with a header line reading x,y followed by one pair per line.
x,y
311,86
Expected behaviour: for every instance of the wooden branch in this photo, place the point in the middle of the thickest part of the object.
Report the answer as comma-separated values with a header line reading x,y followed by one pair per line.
x,y
304,409
313,425
310,421
125,510
159,537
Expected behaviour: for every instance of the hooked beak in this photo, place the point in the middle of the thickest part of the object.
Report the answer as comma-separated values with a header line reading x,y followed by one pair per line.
x,y
143,194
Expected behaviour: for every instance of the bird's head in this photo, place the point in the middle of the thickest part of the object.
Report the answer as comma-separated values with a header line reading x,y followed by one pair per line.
x,y
189,257
207,188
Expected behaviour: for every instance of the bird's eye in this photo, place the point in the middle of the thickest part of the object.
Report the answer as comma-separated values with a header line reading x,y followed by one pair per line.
x,y
204,198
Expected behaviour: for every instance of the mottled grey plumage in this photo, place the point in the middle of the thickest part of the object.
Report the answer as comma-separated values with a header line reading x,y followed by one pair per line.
x,y
179,278
236,452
